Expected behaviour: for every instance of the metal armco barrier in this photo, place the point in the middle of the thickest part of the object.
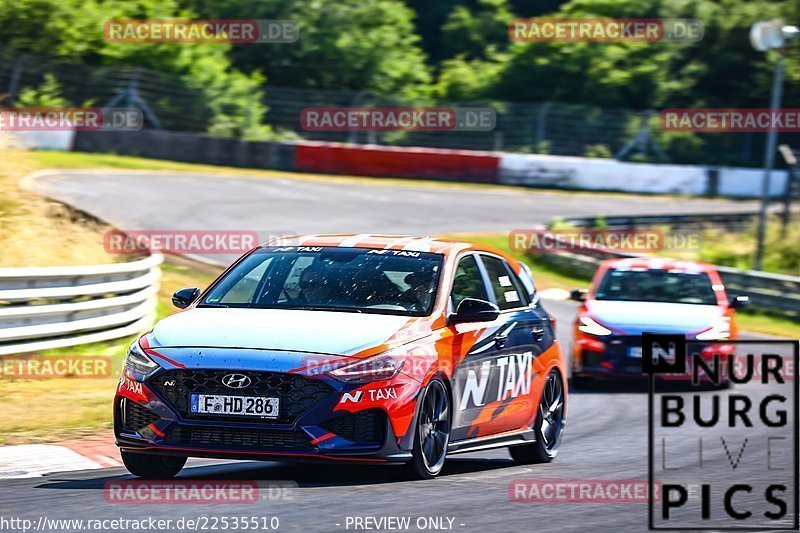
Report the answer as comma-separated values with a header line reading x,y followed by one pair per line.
x,y
53,307
773,293
728,221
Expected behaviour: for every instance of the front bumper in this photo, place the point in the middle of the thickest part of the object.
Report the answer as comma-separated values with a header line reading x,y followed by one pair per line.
x,y
313,424
620,356
613,356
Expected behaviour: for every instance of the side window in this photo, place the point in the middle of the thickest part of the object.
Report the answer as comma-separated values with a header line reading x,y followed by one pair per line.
x,y
468,282
502,281
526,277
243,291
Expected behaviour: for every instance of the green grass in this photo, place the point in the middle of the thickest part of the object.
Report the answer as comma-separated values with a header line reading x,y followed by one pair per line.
x,y
768,324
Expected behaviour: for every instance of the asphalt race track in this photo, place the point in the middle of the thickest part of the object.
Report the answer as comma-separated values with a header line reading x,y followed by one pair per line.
x,y
198,201
606,435
168,201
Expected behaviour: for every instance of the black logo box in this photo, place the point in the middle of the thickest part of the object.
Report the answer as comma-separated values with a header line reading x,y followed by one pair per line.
x,y
663,366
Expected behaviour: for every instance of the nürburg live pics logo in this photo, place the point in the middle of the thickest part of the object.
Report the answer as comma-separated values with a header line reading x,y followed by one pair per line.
x,y
723,433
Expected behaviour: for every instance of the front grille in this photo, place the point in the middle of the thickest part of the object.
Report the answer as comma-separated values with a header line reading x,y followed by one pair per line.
x,y
364,426
136,417
239,438
297,394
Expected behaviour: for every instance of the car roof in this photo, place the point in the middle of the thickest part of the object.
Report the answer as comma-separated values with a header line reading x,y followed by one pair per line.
x,y
438,245
659,263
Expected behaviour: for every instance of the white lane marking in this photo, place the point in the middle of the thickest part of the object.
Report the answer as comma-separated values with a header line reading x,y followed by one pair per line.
x,y
494,475
34,460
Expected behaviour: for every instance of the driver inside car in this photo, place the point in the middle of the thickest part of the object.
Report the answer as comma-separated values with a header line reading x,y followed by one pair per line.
x,y
313,286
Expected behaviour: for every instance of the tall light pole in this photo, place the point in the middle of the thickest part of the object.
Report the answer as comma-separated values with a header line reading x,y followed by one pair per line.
x,y
770,35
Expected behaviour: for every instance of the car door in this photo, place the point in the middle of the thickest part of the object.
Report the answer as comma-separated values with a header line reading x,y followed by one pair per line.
x,y
472,383
525,335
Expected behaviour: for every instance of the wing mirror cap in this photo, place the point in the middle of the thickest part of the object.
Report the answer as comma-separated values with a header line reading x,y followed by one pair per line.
x,y
739,301
474,310
579,295
183,297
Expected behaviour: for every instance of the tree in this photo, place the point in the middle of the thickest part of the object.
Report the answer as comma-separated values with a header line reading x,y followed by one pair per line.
x,y
357,45
72,31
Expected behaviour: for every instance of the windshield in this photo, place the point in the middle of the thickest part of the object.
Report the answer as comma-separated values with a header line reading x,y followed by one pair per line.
x,y
397,282
657,286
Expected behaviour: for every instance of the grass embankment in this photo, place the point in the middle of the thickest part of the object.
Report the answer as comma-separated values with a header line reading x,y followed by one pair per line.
x,y
35,231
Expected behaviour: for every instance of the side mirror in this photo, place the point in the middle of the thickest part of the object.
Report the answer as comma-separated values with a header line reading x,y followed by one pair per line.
x,y
578,295
182,298
474,310
739,301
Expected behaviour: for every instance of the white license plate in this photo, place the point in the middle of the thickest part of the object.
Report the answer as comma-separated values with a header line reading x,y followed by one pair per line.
x,y
216,404
635,351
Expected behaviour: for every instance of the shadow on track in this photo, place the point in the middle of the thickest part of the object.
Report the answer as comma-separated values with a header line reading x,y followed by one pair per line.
x,y
304,474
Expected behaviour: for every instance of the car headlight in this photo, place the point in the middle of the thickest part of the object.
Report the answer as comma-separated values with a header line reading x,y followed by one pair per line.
x,y
591,327
137,361
719,331
375,368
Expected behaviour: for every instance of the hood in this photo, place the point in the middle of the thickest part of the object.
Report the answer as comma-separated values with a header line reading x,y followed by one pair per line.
x,y
321,332
635,318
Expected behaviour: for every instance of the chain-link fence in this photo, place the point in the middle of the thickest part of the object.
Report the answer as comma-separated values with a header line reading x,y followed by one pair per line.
x,y
171,102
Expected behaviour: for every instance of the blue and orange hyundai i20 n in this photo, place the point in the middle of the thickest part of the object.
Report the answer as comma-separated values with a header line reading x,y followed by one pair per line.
x,y
385,349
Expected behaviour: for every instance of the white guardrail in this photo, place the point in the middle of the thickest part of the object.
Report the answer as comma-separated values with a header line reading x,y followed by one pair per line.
x,y
53,307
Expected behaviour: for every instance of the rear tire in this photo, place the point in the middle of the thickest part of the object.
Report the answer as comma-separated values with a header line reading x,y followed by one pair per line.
x,y
549,425
152,466
432,432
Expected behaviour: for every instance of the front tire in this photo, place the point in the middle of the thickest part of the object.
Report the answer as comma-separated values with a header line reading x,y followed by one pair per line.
x,y
432,432
549,424
152,466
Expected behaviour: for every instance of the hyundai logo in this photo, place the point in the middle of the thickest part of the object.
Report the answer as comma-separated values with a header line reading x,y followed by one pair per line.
x,y
236,381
